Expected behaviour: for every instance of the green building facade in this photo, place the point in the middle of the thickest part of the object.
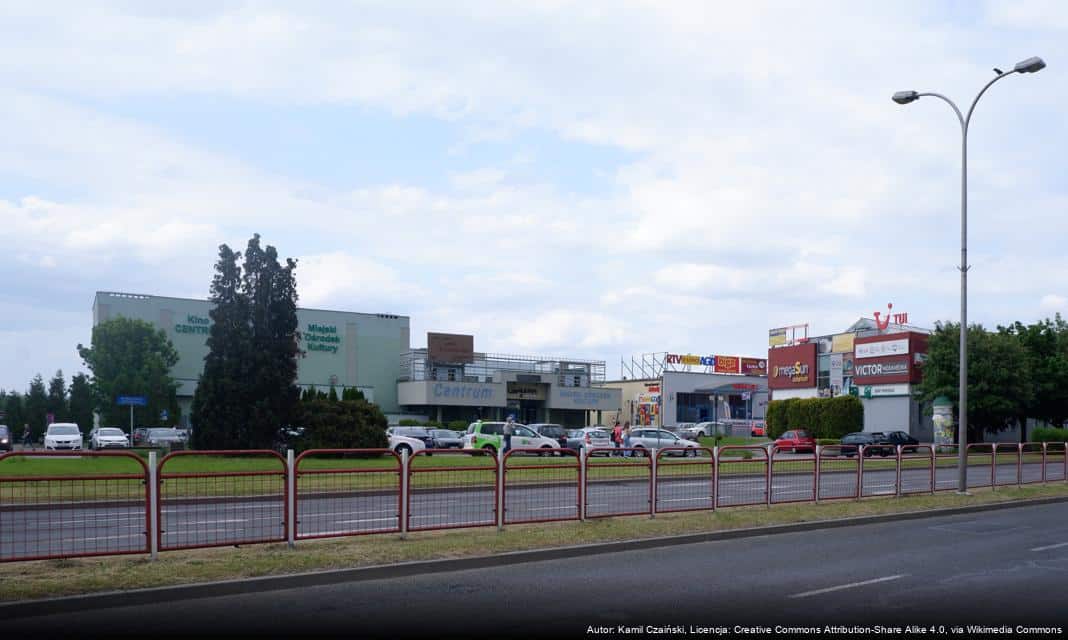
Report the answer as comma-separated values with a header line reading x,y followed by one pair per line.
x,y
342,348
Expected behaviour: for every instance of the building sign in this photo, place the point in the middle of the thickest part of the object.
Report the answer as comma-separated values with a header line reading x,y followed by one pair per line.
x,y
842,343
322,337
881,390
727,364
194,324
899,318
452,348
754,367
690,360
585,398
776,337
792,367
526,391
876,369
885,348
647,398
837,366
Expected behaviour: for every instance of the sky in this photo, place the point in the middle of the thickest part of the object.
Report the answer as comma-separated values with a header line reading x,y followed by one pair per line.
x,y
578,179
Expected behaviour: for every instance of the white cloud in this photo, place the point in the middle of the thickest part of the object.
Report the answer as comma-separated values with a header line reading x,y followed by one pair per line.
x,y
1054,302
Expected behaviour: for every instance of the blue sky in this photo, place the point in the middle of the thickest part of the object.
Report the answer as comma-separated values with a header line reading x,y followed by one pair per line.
x,y
586,179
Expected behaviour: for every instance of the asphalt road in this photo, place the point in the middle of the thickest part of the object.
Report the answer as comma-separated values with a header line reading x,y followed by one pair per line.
x,y
1004,567
86,528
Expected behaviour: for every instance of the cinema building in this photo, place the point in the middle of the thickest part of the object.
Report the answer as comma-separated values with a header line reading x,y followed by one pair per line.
x,y
879,364
372,352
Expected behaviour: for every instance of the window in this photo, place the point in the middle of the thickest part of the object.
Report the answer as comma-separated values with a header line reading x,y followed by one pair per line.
x,y
492,429
526,433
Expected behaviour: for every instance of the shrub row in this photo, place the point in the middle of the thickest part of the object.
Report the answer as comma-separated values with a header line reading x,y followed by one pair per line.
x,y
827,418
1049,434
455,425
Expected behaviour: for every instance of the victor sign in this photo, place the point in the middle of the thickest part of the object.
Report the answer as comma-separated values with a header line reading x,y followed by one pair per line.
x,y
882,369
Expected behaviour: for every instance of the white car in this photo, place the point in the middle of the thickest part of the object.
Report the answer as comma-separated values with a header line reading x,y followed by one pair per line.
x,y
63,435
109,438
400,444
653,438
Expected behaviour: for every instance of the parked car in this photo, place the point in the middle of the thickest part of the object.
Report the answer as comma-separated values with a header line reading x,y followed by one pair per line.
x,y
108,438
422,434
705,430
907,442
139,435
404,444
797,441
757,431
447,439
874,443
63,435
5,438
489,436
553,431
651,438
582,440
163,437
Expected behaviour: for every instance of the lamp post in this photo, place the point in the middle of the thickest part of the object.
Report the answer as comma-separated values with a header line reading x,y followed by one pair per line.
x,y
1030,65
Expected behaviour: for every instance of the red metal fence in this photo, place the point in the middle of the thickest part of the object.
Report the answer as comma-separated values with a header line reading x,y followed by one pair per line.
x,y
542,488
446,495
220,508
347,492
72,504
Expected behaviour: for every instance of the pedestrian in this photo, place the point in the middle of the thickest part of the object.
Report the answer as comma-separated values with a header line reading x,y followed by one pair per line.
x,y
509,427
617,436
27,440
626,439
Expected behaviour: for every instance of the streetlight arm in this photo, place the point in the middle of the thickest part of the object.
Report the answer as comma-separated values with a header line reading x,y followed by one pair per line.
x,y
968,118
953,105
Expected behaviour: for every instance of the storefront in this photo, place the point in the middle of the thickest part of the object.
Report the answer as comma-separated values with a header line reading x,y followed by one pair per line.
x,y
450,381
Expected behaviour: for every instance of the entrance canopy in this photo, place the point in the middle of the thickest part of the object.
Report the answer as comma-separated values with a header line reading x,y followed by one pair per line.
x,y
734,388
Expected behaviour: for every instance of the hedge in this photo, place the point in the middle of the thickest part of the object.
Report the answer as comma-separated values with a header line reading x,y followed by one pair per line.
x,y
1048,434
826,418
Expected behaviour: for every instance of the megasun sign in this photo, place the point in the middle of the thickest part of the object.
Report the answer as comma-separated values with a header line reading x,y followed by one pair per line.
x,y
792,367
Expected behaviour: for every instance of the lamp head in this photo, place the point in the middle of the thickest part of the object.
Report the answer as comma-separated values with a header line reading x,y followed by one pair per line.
x,y
1030,65
905,97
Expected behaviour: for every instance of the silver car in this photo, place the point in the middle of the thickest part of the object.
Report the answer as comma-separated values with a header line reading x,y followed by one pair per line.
x,y
164,437
582,440
651,438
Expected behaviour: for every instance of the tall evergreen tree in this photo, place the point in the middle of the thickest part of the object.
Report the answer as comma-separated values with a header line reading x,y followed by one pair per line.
x,y
57,398
16,414
81,401
36,407
131,357
220,406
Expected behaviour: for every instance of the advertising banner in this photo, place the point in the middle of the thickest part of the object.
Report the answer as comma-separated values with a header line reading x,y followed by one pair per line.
x,y
943,421
837,372
842,343
792,367
450,347
727,364
776,337
754,367
897,347
885,370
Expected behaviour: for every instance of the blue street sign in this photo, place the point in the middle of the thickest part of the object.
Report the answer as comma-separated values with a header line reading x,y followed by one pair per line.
x,y
133,401
163,415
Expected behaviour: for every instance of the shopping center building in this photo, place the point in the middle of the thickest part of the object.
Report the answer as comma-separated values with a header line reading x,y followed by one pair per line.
x,y
875,359
447,380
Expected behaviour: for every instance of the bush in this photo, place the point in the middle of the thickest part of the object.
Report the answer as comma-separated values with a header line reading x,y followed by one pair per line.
x,y
827,418
432,424
826,441
775,419
1049,434
343,424
458,425
408,422
841,415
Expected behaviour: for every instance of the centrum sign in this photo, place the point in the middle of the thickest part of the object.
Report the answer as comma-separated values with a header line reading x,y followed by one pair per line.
x,y
322,337
194,324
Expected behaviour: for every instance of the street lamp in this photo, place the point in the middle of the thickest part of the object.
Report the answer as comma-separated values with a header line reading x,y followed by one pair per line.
x,y
1030,65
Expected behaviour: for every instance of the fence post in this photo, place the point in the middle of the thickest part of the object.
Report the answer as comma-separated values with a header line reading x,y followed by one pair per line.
x,y
993,467
715,477
500,490
1019,464
897,480
291,499
860,471
582,484
769,474
934,469
652,486
153,507
1044,463
818,451
405,491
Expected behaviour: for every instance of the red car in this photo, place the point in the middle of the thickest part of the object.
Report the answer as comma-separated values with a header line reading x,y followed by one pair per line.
x,y
757,431
797,441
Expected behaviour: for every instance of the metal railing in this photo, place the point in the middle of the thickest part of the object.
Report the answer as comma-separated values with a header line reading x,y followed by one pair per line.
x,y
75,504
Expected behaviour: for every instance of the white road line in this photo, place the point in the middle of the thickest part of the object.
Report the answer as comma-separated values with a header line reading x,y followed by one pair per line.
x,y
364,520
130,535
572,507
851,585
1051,546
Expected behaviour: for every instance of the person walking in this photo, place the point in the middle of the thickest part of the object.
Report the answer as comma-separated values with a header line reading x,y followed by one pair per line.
x,y
626,439
617,436
509,427
27,440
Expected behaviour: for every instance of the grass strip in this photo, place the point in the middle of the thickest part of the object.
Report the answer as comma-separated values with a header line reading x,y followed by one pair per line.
x,y
51,578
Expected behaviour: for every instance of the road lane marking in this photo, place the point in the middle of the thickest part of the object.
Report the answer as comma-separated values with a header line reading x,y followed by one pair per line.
x,y
1051,546
851,585
364,520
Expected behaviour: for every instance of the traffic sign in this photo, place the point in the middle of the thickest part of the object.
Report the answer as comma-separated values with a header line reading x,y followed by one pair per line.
x,y
133,401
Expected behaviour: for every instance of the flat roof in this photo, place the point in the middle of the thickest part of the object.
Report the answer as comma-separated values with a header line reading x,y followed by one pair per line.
x,y
145,296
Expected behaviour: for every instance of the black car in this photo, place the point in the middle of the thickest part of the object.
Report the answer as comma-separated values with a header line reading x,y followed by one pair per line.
x,y
445,439
5,438
873,443
553,431
907,442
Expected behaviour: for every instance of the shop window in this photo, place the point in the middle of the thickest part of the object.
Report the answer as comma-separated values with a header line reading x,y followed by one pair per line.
x,y
452,375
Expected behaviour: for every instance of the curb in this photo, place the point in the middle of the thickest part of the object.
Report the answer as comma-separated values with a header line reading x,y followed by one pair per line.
x,y
113,599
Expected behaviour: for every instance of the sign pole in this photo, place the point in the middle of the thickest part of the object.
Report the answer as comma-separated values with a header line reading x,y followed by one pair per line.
x,y
131,424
